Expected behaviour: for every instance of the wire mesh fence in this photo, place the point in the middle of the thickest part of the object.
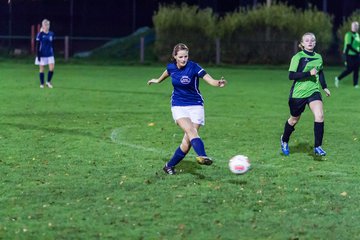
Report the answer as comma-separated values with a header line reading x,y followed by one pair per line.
x,y
141,49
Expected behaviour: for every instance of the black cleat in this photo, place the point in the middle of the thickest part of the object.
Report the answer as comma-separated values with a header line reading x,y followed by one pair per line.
x,y
203,160
169,170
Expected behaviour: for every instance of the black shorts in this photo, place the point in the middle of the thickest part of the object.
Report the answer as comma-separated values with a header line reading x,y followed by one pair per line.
x,y
297,105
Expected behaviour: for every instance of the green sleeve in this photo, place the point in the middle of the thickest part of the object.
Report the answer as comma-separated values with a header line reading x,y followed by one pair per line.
x,y
294,63
347,40
321,66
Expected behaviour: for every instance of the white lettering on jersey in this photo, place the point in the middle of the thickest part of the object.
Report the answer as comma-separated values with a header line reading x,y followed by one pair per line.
x,y
185,80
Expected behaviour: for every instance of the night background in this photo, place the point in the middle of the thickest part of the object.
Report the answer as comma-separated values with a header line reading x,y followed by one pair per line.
x,y
82,155
113,18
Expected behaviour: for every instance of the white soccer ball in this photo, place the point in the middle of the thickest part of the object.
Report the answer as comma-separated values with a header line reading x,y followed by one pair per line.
x,y
239,164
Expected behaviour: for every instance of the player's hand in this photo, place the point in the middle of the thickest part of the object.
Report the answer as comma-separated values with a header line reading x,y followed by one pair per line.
x,y
151,81
327,92
222,82
313,72
38,58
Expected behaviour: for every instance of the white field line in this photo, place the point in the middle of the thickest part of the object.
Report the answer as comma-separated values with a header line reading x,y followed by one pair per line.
x,y
117,137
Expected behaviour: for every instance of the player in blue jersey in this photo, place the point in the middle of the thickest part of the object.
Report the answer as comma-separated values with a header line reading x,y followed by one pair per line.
x,y
187,104
45,53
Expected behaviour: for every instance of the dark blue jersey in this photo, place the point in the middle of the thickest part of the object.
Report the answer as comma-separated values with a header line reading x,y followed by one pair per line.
x,y
186,84
45,44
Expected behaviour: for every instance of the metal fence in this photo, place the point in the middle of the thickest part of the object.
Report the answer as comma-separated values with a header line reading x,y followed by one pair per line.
x,y
25,45
66,47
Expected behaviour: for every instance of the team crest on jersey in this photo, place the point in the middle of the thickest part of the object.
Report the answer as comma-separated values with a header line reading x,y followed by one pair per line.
x,y
185,80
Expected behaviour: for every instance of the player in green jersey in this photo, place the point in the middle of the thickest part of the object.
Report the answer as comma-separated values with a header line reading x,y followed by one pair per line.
x,y
306,70
352,55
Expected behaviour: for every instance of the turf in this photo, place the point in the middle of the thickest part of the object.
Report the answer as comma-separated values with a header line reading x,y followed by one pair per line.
x,y
83,160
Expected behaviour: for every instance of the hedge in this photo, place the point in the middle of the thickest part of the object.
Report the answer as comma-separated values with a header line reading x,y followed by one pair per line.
x,y
346,27
258,35
187,24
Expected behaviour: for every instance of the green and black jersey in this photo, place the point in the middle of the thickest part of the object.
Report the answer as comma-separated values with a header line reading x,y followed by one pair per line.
x,y
305,85
352,43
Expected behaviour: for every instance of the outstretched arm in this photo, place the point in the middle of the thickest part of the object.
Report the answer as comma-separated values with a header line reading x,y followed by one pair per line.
x,y
163,76
216,83
38,50
37,46
323,83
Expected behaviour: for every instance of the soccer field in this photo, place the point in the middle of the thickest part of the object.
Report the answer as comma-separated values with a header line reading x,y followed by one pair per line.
x,y
84,160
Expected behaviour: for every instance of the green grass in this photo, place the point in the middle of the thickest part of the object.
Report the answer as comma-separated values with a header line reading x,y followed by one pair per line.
x,y
80,161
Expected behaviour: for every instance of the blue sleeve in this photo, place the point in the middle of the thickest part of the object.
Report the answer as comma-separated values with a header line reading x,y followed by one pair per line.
x,y
169,68
38,36
199,70
37,45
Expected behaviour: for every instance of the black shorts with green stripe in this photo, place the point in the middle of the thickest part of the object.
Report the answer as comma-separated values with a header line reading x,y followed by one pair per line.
x,y
297,105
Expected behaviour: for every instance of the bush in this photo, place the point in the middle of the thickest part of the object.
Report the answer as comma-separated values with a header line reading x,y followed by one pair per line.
x,y
186,24
268,34
259,35
318,23
346,27
250,36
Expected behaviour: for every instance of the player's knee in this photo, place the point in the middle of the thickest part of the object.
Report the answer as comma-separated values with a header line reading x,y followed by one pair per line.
x,y
185,147
185,142
319,117
293,120
192,133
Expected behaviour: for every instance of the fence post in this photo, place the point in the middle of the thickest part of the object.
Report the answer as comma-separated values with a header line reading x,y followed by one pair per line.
x,y
32,39
142,49
66,48
218,50
295,47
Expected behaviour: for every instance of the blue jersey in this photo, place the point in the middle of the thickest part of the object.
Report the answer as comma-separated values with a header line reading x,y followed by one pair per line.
x,y
45,44
186,84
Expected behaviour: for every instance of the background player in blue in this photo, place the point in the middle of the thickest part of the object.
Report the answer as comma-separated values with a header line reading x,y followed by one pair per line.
x,y
45,53
187,104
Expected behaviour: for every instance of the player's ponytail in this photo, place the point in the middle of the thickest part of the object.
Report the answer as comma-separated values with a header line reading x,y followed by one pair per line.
x,y
301,46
